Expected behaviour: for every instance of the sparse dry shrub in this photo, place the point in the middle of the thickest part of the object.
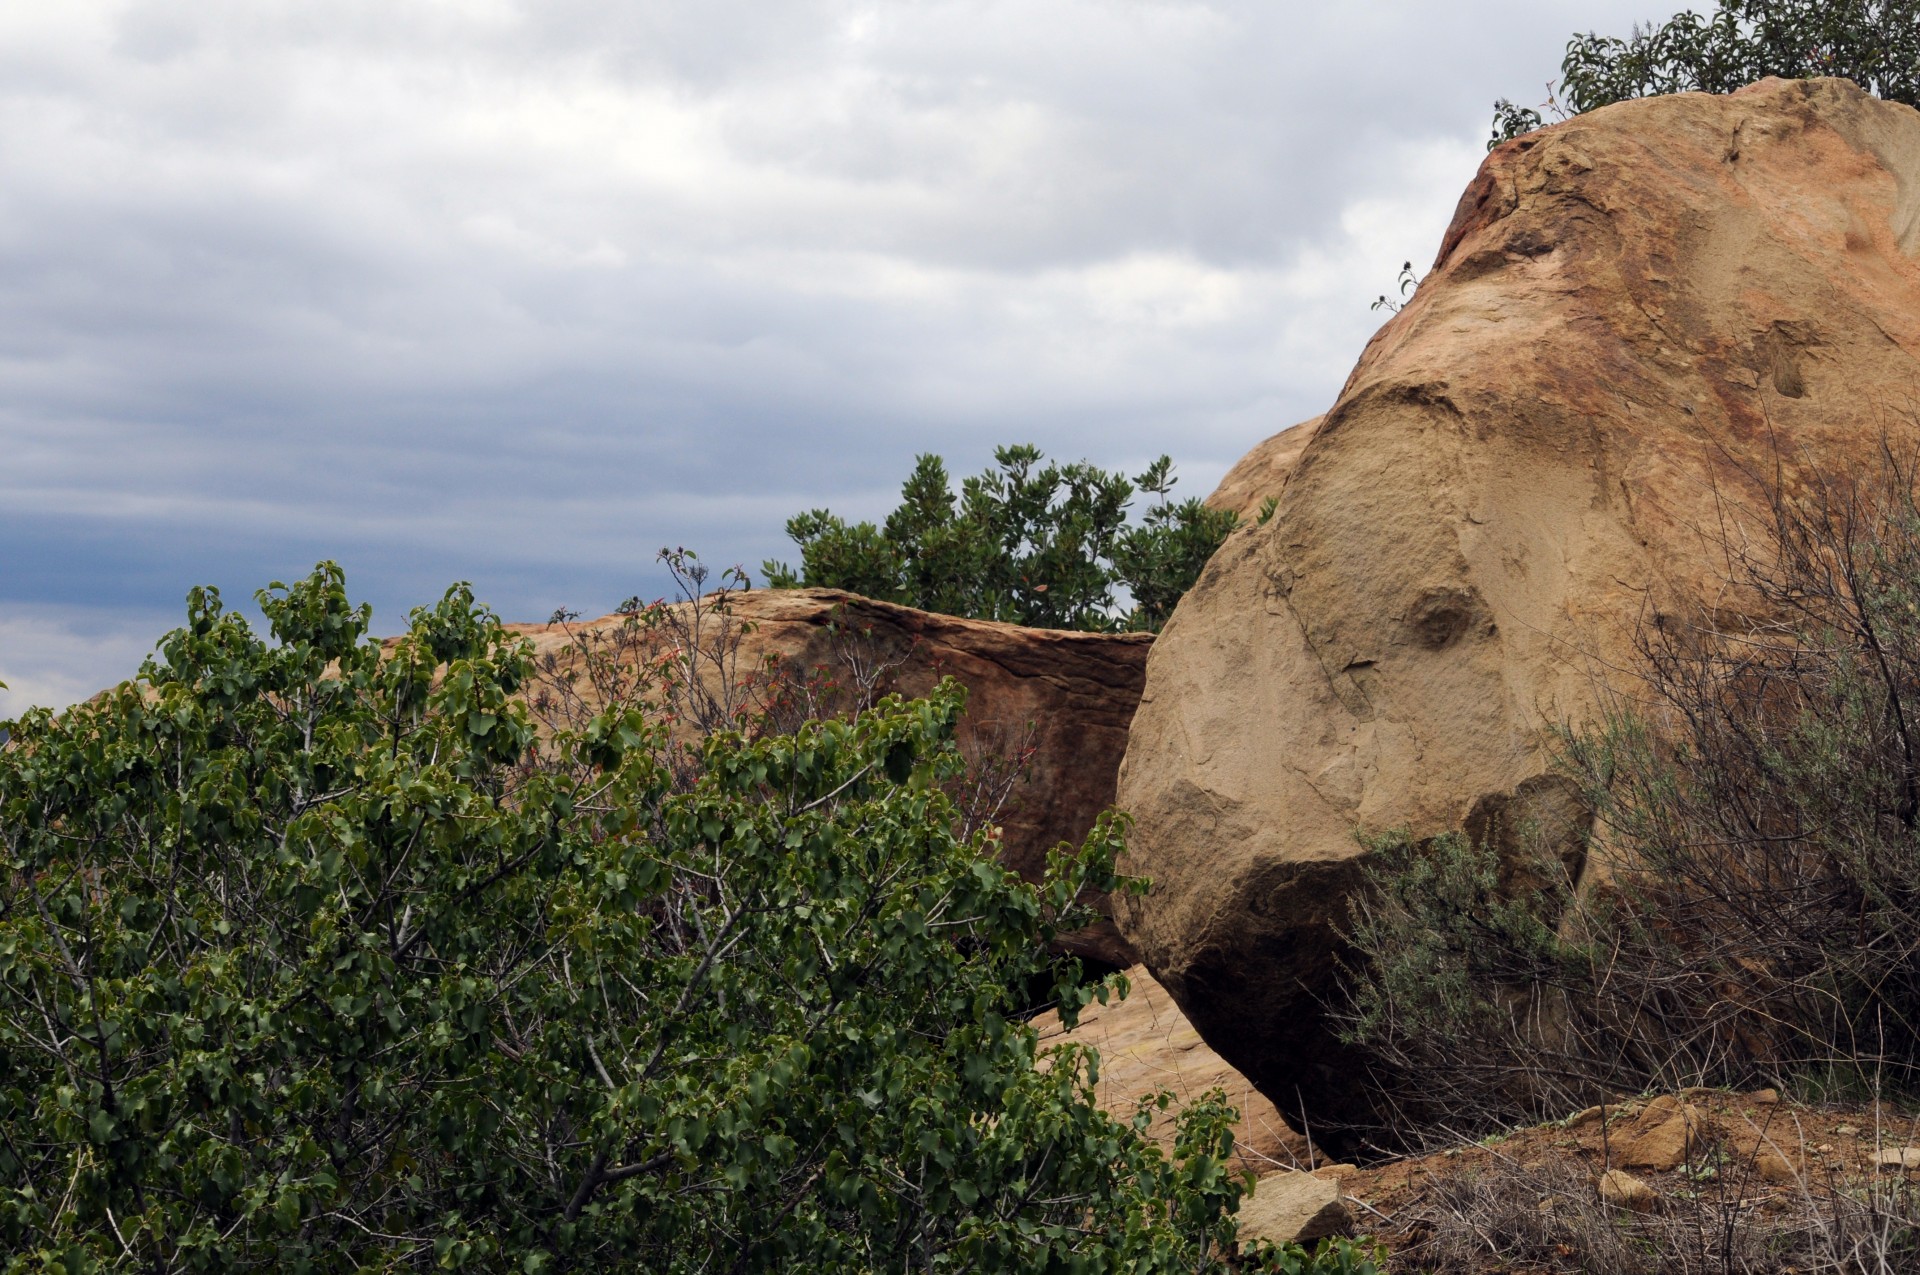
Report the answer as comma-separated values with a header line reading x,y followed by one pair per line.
x,y
1529,1216
1549,1217
677,660
1747,910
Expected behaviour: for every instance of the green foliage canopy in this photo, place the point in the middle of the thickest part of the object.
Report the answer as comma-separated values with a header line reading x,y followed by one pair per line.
x,y
1046,545
318,956
1874,43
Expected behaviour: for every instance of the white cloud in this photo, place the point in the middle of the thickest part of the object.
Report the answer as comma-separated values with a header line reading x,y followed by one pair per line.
x,y
51,657
517,292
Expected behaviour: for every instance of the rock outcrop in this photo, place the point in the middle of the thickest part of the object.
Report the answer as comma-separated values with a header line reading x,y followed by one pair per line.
x,y
1057,702
1633,316
1146,1044
1294,1208
1670,1132
1263,472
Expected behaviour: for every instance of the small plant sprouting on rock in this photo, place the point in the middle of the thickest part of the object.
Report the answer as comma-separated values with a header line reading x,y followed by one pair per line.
x,y
1510,121
1407,283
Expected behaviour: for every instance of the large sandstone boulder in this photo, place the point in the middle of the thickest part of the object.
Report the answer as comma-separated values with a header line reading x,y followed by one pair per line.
x,y
1633,315
1056,703
1263,472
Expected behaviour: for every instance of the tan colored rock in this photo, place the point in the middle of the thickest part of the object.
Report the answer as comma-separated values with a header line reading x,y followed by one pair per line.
x,y
1622,1189
1065,696
1263,472
1774,1167
1898,1158
1627,312
1585,1117
1147,1044
1289,1208
1667,1134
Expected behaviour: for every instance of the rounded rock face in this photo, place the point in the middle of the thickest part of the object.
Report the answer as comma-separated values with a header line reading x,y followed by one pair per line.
x,y
1634,316
1263,472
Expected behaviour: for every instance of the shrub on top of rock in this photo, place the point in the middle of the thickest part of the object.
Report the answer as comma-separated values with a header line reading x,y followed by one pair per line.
x,y
1874,43
1047,546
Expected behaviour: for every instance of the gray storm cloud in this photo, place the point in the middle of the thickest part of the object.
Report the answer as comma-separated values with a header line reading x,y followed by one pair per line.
x,y
517,293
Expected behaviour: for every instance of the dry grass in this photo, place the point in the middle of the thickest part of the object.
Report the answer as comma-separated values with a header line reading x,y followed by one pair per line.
x,y
1768,1189
1550,1219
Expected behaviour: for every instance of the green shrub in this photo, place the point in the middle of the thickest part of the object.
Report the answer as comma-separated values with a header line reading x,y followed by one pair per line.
x,y
318,956
1875,43
1446,944
1047,546
1473,1006
1333,1256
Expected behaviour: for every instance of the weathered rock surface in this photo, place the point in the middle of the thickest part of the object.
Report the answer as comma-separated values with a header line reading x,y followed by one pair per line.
x,y
1064,699
1632,315
1667,1134
1289,1207
1264,471
1622,1189
1146,1044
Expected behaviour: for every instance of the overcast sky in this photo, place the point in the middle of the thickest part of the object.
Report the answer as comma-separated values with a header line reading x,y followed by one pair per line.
x,y
519,292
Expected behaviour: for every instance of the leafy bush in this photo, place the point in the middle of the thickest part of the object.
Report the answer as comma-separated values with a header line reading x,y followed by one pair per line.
x,y
1332,1256
319,955
1047,546
1481,1003
1750,910
1875,43
1455,973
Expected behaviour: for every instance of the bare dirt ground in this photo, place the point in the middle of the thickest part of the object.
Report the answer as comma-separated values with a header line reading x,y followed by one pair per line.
x,y
1668,1184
